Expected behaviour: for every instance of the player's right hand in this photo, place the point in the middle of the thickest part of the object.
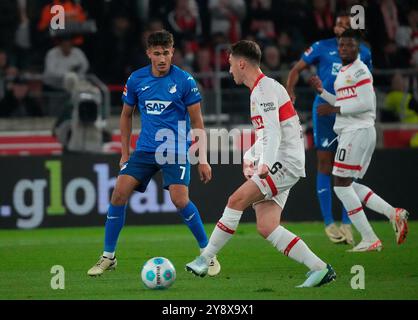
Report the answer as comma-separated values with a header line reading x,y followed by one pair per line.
x,y
123,160
316,83
205,172
248,169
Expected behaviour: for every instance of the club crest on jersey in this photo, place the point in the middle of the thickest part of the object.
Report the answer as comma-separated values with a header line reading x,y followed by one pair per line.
x,y
336,68
172,88
156,107
349,79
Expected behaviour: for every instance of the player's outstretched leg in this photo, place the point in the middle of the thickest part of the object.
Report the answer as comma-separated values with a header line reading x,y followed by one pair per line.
x,y
351,202
114,223
268,225
294,247
397,216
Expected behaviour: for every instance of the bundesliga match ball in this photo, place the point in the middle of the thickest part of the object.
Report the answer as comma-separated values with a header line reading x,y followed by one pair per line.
x,y
158,273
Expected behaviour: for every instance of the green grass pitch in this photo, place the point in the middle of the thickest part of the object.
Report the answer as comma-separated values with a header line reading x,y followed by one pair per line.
x,y
251,267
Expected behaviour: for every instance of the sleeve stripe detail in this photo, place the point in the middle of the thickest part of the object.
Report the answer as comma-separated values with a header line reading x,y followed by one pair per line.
x,y
286,111
364,81
345,98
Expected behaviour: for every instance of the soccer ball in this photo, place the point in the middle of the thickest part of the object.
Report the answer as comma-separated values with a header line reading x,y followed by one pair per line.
x,y
158,273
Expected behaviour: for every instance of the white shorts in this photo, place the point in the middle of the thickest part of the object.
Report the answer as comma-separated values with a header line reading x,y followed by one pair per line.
x,y
276,186
354,153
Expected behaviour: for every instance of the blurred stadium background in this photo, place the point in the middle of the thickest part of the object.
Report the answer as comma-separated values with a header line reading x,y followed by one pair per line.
x,y
60,98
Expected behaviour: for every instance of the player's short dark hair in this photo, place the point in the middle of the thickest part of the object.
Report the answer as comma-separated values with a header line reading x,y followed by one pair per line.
x,y
161,38
248,50
352,33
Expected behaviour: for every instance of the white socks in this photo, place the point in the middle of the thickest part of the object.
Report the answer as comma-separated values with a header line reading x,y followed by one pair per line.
x,y
292,246
109,255
285,241
223,231
355,212
373,201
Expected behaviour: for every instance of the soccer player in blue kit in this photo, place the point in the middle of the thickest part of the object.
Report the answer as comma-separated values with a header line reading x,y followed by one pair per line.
x,y
324,56
169,103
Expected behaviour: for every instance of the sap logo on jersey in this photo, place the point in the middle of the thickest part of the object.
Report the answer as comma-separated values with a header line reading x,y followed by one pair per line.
x,y
156,106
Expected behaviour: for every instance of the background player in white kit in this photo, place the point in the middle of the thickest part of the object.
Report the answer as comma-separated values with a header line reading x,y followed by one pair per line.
x,y
279,151
355,106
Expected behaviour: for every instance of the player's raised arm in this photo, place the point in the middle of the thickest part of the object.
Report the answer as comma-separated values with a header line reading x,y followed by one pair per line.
x,y
198,127
293,78
311,56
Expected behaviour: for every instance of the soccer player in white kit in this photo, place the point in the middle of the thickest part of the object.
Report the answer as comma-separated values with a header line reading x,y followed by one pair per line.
x,y
355,108
272,166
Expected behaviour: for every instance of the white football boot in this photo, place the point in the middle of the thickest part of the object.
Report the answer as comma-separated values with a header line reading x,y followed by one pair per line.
x,y
400,224
347,232
198,266
102,265
319,278
365,246
334,234
214,267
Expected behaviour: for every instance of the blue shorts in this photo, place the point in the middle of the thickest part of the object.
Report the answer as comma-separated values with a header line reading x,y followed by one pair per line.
x,y
325,138
143,166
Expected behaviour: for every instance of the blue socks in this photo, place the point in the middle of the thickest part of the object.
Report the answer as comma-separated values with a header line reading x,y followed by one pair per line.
x,y
116,220
324,192
114,223
191,218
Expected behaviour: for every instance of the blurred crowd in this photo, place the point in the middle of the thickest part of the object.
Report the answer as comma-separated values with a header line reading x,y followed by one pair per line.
x,y
111,43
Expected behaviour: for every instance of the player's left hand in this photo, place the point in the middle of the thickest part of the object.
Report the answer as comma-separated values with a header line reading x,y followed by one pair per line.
x,y
205,172
325,110
263,171
248,169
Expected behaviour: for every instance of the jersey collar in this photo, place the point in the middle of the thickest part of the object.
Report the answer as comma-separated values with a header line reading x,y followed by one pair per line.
x,y
349,65
261,76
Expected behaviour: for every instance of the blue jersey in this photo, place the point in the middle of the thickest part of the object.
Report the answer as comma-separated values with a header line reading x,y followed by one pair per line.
x,y
324,55
162,103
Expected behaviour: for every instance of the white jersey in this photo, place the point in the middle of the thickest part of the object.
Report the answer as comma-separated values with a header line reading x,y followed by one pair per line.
x,y
278,129
355,96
